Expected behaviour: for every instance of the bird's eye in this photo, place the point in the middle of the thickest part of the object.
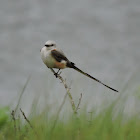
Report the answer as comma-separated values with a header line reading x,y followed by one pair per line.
x,y
47,45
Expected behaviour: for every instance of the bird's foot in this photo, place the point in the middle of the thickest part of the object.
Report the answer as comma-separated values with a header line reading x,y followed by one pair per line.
x,y
57,73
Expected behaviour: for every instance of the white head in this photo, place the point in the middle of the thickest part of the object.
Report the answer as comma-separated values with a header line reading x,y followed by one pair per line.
x,y
50,44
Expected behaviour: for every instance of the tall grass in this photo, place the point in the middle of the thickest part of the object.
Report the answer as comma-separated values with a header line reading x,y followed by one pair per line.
x,y
109,124
87,126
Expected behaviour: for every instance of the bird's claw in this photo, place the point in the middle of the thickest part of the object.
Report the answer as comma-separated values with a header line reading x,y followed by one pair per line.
x,y
57,74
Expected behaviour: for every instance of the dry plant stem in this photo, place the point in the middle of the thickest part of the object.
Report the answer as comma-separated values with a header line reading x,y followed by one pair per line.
x,y
22,94
28,121
70,97
67,90
13,117
79,103
26,118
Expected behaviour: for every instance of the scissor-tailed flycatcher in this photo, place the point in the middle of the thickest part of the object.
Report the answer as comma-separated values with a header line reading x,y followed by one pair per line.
x,y
55,58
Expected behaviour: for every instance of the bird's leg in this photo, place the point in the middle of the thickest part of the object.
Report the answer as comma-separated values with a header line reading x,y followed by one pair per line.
x,y
57,73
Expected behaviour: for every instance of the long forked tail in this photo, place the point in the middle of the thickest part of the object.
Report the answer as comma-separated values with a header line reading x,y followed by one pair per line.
x,y
86,74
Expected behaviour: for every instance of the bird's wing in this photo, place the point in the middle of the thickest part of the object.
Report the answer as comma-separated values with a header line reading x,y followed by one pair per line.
x,y
59,56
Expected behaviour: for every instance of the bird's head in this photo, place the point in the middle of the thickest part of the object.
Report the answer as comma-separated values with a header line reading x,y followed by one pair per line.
x,y
50,44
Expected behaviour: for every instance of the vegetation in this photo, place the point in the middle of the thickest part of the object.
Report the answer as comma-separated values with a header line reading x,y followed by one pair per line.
x,y
109,124
87,126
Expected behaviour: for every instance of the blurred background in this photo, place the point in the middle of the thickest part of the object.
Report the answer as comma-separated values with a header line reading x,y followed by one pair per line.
x,y
101,37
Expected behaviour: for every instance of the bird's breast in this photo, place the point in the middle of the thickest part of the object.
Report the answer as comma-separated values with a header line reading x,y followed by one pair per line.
x,y
48,60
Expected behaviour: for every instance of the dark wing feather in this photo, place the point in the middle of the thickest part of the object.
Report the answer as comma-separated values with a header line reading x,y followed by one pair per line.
x,y
58,56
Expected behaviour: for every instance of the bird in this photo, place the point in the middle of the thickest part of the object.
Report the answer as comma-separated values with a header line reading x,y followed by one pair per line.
x,y
54,57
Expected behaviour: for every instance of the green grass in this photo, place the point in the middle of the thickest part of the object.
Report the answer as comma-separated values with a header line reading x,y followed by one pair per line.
x,y
109,124
87,126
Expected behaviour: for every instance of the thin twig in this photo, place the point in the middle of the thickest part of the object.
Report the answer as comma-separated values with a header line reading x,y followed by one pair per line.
x,y
22,91
28,122
67,90
70,97
79,103
26,118
13,117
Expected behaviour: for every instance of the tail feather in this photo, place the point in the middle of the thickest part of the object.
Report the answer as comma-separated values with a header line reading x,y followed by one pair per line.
x,y
86,74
